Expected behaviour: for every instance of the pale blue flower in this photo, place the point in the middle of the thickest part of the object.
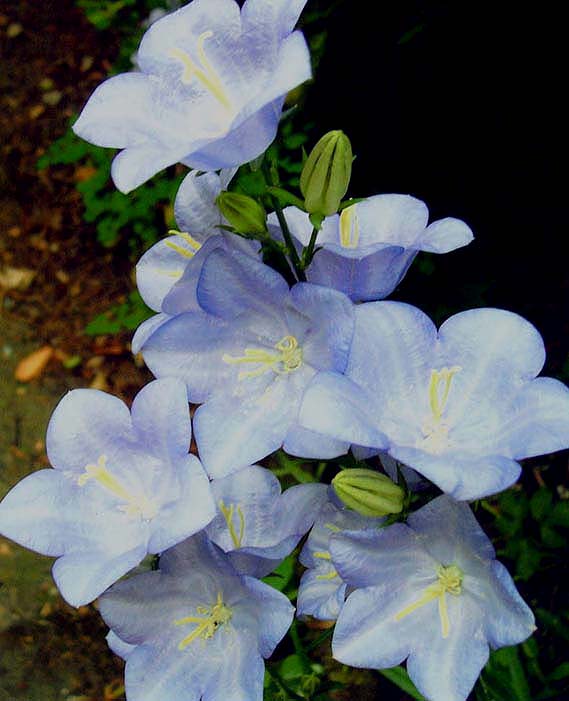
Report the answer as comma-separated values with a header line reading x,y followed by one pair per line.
x,y
461,405
257,525
123,486
248,358
195,629
366,249
209,93
430,591
322,591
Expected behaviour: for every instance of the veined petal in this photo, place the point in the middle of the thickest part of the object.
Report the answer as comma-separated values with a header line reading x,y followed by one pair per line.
x,y
321,594
86,424
276,18
464,477
240,675
161,417
118,646
303,443
137,164
274,613
335,406
445,235
195,209
146,329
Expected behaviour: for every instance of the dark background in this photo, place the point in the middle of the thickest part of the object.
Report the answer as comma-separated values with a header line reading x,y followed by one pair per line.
x,y
460,104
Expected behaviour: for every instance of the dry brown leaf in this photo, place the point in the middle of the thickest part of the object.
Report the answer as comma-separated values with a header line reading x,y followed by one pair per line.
x,y
100,382
83,173
36,111
16,278
33,365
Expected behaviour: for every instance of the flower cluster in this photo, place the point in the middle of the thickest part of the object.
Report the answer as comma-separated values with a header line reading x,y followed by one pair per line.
x,y
301,356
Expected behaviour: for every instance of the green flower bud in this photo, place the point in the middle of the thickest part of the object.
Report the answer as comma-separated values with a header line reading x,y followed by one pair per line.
x,y
326,174
368,492
243,213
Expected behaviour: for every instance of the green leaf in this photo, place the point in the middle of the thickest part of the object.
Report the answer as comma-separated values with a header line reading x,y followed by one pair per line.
x,y
282,576
399,677
123,317
551,537
540,503
560,672
560,514
529,559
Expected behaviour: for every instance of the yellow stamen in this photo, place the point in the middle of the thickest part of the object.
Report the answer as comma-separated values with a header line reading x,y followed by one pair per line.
x,y
180,249
322,555
203,71
349,227
331,575
449,581
208,622
228,516
136,505
288,359
438,396
188,238
332,527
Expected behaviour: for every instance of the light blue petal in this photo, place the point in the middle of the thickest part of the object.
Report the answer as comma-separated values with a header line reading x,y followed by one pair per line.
x,y
34,512
86,424
137,164
232,432
146,329
508,619
447,528
161,418
82,576
192,510
335,406
392,351
463,477
239,674
249,286
276,18
274,613
446,669
194,208
497,350
118,646
445,235
319,595
191,346
161,267
537,422
370,278
303,443
327,341
371,557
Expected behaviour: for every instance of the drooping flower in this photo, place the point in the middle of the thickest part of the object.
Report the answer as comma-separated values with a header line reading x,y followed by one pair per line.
x,y
195,629
248,358
123,486
167,274
366,249
461,405
430,592
256,525
209,92
322,591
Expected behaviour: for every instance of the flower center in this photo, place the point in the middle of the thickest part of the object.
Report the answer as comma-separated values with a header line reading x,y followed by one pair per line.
x,y
135,505
202,70
435,430
349,227
228,514
286,360
210,618
449,581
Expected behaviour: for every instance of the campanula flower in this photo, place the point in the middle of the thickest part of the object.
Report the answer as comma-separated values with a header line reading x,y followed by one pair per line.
x,y
209,93
322,591
257,525
461,405
366,249
123,485
430,592
196,628
248,356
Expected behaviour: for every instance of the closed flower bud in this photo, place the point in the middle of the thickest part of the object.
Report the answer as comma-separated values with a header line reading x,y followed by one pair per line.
x,y
326,174
368,492
243,213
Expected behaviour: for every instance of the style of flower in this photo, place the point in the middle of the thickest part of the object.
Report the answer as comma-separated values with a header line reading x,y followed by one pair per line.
x,y
256,525
430,591
209,93
195,629
461,405
322,591
366,249
123,486
167,274
248,358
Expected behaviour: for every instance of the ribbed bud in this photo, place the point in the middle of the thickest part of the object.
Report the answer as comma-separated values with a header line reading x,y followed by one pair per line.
x,y
326,174
243,213
368,492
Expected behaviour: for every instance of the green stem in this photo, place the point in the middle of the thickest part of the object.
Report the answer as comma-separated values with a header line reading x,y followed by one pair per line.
x,y
308,253
296,262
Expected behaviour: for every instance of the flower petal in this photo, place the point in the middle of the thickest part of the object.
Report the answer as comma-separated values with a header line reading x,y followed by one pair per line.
x,y
195,209
445,235
303,443
274,612
146,329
